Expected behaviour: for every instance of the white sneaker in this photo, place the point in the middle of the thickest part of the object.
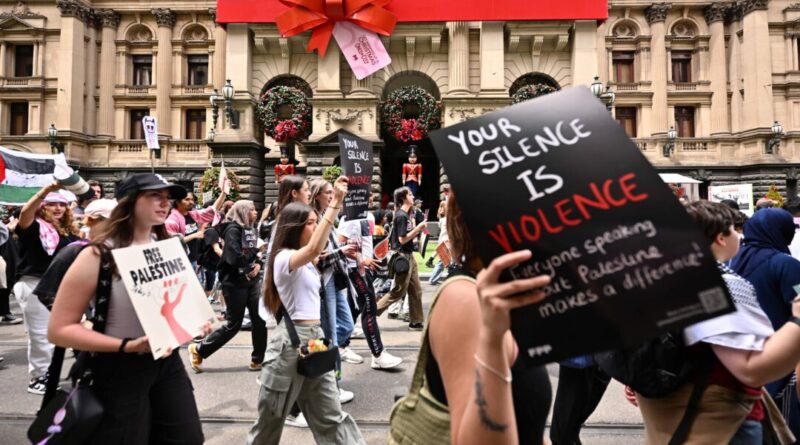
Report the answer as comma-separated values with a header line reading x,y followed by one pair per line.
x,y
297,422
357,332
386,361
351,357
345,396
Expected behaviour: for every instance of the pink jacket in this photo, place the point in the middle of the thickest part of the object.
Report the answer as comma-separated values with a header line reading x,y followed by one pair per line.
x,y
176,223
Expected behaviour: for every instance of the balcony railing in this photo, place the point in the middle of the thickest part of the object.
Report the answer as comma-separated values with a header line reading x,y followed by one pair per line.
x,y
194,89
626,87
138,89
188,146
640,144
129,146
693,145
17,82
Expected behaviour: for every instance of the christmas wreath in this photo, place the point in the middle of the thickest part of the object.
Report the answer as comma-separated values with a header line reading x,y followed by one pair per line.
x,y
531,91
210,183
296,127
410,129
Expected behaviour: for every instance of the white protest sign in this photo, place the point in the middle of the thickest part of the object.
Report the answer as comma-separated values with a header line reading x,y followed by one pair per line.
x,y
168,299
741,193
150,125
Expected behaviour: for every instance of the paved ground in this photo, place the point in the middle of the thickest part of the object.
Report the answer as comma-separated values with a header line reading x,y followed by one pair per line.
x,y
226,392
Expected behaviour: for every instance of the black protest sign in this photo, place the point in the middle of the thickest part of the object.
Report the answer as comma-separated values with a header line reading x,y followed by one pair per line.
x,y
557,175
356,156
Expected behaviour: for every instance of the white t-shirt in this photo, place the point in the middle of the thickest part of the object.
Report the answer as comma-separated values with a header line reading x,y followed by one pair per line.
x,y
299,288
362,231
794,248
443,236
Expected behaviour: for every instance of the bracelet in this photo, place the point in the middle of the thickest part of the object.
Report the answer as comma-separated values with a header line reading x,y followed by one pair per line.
x,y
328,220
122,346
505,378
334,207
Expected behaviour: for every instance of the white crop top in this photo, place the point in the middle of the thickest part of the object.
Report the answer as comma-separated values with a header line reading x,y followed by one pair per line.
x,y
298,289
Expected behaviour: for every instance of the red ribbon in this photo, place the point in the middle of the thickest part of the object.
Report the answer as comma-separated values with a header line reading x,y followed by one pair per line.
x,y
321,15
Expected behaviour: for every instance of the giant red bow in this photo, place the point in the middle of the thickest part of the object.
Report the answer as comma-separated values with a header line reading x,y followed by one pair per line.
x,y
321,15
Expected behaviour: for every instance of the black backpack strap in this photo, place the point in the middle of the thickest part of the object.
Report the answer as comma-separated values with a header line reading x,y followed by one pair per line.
x,y
701,383
101,308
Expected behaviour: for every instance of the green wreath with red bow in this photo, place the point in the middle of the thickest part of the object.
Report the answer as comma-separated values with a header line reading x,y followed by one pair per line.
x,y
531,91
414,129
296,127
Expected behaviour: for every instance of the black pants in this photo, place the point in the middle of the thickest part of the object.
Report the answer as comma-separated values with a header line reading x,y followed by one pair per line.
x,y
365,297
532,396
145,401
578,394
238,296
5,308
210,278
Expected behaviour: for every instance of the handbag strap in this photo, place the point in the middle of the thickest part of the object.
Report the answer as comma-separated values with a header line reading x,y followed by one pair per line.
x,y
693,407
102,296
418,380
290,327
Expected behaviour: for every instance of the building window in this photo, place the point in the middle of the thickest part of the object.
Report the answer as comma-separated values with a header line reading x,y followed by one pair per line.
x,y
19,118
623,67
681,66
23,60
137,129
142,70
195,124
626,117
684,121
198,70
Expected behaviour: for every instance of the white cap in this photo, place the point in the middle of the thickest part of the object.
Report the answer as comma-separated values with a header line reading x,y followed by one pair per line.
x,y
100,207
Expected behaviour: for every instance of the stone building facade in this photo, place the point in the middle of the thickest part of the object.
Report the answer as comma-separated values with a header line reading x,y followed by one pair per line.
x,y
720,73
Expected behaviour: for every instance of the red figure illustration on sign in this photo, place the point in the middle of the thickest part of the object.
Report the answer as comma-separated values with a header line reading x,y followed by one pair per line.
x,y
167,310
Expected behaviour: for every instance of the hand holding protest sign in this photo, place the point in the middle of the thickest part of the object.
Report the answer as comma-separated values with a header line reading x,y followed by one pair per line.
x,y
356,157
561,178
166,295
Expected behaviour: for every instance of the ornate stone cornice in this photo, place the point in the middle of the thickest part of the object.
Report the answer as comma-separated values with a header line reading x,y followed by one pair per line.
x,y
733,13
657,12
749,6
341,116
715,12
72,8
164,17
108,18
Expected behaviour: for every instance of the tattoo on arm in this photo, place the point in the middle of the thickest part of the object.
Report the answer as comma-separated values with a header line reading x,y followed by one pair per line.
x,y
480,400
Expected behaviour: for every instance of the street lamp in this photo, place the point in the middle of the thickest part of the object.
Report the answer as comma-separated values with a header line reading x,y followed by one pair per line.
x,y
56,147
774,143
232,115
213,98
607,97
669,147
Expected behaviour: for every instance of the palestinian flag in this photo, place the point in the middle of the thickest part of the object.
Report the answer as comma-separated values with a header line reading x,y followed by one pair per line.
x,y
23,174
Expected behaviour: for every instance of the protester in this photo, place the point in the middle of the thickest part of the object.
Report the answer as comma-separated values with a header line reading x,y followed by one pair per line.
x,y
793,206
765,261
239,271
359,232
402,238
418,214
764,203
8,259
184,220
144,400
744,350
80,207
439,269
337,319
211,256
292,284
44,227
468,350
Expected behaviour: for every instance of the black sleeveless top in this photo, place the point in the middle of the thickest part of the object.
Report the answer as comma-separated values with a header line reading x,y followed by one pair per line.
x,y
530,388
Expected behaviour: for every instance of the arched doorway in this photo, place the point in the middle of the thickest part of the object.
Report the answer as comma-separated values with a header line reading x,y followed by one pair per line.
x,y
395,153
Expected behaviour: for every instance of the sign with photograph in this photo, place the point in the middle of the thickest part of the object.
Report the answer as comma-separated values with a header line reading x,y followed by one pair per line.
x,y
356,157
557,175
741,193
168,298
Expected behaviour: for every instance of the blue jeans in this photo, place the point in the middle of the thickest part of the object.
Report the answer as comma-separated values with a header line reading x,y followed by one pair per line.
x,y
337,321
750,433
438,269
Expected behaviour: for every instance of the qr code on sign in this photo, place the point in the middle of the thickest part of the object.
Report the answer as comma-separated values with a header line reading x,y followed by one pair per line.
x,y
713,300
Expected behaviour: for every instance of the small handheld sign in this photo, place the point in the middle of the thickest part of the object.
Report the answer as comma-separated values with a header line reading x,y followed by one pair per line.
x,y
559,176
356,158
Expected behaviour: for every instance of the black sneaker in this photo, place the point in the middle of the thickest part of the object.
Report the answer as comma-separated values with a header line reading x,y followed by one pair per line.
x,y
10,319
429,263
392,315
415,326
38,385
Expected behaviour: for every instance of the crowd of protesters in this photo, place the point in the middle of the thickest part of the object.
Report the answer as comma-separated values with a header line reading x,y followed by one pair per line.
x,y
304,264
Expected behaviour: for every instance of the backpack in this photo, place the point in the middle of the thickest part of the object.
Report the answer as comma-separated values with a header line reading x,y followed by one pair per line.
x,y
208,258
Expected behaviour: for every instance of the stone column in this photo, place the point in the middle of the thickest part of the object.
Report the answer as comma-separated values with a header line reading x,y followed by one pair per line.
x,y
757,72
492,59
220,42
361,88
734,67
90,107
458,59
71,66
40,61
165,19
35,59
584,52
715,16
3,57
656,14
109,20
329,72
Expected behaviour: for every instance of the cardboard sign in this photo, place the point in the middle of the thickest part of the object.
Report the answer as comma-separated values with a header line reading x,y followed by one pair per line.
x,y
150,125
168,298
741,193
557,175
356,157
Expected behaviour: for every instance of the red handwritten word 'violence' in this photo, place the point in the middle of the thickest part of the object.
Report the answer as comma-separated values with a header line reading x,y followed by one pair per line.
x,y
359,180
569,212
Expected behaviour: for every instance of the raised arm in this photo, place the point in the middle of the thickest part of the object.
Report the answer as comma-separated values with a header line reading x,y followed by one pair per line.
x,y
316,245
28,212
